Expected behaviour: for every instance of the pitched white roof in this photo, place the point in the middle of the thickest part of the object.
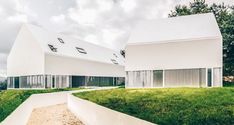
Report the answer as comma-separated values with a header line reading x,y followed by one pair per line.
x,y
200,26
68,48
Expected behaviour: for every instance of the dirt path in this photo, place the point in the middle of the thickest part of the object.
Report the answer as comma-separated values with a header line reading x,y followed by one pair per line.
x,y
53,115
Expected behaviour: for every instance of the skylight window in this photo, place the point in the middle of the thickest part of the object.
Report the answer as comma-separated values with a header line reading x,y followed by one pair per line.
x,y
81,50
52,48
115,55
114,61
60,40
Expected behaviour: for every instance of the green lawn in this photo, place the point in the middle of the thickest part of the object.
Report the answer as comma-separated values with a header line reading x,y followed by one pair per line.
x,y
11,99
181,106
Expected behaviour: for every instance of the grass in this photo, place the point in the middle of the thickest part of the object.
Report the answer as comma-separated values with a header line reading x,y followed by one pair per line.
x,y
11,99
175,106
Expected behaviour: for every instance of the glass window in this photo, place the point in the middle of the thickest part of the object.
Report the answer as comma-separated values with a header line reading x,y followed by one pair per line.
x,y
81,50
217,77
184,78
78,81
158,78
52,48
10,83
115,55
16,82
60,40
114,61
209,77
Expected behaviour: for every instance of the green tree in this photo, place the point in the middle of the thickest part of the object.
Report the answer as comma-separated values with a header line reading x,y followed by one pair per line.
x,y
225,17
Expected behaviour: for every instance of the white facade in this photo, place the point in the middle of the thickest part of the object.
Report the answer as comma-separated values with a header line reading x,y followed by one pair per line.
x,y
180,51
32,60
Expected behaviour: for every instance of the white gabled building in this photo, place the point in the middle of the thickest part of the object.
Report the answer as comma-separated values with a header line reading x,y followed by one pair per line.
x,y
41,59
181,51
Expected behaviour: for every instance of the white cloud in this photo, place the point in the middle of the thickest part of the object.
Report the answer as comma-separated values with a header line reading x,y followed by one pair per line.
x,y
104,22
18,18
128,5
83,16
57,19
3,61
105,5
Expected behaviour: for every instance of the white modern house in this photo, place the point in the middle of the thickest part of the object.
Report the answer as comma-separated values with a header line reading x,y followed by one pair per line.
x,y
42,59
181,51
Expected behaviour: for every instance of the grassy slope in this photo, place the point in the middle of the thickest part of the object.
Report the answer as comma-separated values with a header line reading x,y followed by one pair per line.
x,y
192,106
11,99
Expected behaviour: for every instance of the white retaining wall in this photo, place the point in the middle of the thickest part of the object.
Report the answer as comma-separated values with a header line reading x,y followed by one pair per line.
x,y
21,115
88,112
92,114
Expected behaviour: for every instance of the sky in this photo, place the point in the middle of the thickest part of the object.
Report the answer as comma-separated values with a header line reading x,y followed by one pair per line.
x,y
104,22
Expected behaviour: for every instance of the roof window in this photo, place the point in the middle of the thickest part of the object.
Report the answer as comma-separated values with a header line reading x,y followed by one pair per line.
x,y
60,40
81,50
52,48
114,61
115,55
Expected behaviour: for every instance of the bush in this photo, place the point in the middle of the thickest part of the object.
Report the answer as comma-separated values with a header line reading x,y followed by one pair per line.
x,y
228,84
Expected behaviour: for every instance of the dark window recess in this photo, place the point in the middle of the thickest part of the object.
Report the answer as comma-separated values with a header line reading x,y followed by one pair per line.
x,y
81,50
60,40
115,55
52,48
209,78
114,61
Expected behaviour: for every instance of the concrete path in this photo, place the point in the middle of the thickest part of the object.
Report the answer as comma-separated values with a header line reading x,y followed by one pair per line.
x,y
53,115
21,115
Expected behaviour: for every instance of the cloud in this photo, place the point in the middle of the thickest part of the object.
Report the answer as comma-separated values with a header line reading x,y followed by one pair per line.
x,y
103,22
128,5
3,61
57,19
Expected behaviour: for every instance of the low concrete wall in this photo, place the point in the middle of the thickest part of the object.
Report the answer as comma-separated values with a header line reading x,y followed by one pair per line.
x,y
21,115
92,114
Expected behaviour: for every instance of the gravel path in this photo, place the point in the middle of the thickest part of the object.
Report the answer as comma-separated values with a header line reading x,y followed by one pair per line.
x,y
53,115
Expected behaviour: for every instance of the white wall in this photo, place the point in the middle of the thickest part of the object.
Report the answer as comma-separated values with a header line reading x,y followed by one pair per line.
x,y
26,56
92,114
60,65
175,55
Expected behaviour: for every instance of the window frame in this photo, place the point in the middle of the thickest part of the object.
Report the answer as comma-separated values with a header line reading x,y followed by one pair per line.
x,y
81,50
52,48
60,40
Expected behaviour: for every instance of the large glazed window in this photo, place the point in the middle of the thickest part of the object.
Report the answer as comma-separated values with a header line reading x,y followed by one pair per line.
x,y
10,82
24,82
185,78
16,82
217,77
209,77
139,78
78,81
158,78
100,81
62,81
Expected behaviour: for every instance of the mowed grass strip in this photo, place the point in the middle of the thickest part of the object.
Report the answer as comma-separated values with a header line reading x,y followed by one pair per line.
x,y
11,99
174,106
